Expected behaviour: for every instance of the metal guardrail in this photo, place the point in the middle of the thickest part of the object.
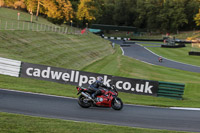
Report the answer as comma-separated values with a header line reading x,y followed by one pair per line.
x,y
10,67
171,90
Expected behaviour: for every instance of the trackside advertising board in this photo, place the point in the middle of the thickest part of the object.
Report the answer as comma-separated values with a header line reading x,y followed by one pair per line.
x,y
81,78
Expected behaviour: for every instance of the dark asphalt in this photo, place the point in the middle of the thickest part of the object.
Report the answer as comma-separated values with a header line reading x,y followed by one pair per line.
x,y
141,53
66,108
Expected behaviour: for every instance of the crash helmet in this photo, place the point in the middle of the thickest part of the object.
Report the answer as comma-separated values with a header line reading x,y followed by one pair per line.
x,y
99,78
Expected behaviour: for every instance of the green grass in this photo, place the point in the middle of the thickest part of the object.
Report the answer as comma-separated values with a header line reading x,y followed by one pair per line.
x,y
14,123
10,15
59,50
9,21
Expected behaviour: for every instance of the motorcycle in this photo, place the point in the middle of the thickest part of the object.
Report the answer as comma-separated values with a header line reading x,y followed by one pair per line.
x,y
107,99
160,59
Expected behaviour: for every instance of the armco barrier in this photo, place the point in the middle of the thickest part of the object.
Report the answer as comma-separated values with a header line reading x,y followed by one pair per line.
x,y
171,90
10,67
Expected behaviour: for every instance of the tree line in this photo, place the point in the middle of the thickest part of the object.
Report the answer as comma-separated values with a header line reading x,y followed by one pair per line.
x,y
151,15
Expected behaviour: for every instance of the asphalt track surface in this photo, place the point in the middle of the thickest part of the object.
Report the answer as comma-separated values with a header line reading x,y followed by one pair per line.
x,y
68,109
141,53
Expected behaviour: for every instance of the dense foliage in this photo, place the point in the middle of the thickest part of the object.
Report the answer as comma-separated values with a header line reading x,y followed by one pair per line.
x,y
152,15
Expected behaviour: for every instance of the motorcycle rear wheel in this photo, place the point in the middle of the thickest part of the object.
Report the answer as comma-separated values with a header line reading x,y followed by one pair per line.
x,y
83,102
117,103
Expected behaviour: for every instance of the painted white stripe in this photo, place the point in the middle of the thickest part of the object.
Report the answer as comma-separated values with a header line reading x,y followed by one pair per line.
x,y
182,108
38,94
122,50
150,51
119,38
146,62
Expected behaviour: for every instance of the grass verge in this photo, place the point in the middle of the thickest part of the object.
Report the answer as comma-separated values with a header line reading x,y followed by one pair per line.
x,y
11,15
22,124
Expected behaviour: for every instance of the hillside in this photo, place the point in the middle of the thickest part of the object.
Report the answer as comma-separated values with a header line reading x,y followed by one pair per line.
x,y
11,15
68,51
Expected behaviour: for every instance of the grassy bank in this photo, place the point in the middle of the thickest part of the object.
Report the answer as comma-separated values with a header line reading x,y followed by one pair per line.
x,y
67,51
11,15
22,124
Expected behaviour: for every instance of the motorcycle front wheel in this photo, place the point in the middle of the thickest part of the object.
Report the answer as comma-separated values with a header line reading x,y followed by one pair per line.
x,y
117,103
83,102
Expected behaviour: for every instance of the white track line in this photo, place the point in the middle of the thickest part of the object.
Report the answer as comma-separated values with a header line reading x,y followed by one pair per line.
x,y
122,50
182,108
40,94
146,62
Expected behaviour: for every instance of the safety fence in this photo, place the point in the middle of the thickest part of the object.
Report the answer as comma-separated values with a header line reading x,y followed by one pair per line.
x,y
32,26
171,90
81,78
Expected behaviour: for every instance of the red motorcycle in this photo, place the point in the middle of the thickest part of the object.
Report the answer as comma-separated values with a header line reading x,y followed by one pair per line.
x,y
107,99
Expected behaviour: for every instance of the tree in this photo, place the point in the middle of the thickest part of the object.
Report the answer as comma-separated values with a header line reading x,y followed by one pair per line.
x,y
67,10
9,3
107,12
38,9
1,3
121,12
141,14
153,8
31,5
191,8
179,17
74,4
197,18
58,10
86,10
19,4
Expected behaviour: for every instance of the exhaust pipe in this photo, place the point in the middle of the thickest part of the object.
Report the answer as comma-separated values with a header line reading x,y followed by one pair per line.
x,y
86,95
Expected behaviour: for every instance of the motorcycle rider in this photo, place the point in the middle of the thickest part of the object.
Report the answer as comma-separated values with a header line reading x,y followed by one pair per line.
x,y
160,59
96,87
